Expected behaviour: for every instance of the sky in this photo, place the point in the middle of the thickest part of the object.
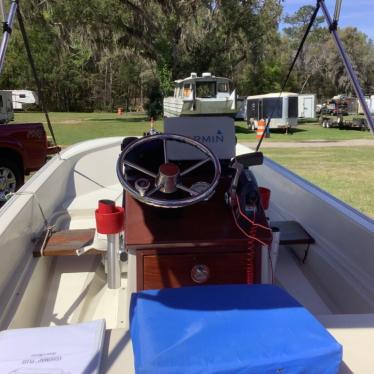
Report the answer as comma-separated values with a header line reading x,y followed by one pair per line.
x,y
357,13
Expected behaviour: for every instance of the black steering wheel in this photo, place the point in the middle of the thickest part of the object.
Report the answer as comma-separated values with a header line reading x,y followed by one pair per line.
x,y
167,180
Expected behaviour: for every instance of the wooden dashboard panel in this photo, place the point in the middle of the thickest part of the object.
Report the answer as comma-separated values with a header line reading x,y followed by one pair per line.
x,y
208,222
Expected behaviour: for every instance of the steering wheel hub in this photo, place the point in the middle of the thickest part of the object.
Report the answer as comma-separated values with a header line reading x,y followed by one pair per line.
x,y
167,178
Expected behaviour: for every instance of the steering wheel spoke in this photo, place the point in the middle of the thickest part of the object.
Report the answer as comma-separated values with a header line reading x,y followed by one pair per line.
x,y
139,168
186,189
193,167
152,191
166,160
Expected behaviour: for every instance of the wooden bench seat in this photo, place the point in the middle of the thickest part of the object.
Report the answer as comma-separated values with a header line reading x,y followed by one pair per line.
x,y
66,243
291,232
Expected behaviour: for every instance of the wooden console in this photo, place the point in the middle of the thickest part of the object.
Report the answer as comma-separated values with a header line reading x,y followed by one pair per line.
x,y
199,244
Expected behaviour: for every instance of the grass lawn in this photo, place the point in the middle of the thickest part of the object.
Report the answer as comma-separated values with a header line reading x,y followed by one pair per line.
x,y
71,128
346,173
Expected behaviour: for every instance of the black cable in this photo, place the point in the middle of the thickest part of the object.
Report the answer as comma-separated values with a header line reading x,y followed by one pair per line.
x,y
33,68
314,15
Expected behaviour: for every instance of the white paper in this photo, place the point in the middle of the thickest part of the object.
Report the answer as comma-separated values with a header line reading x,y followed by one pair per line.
x,y
68,349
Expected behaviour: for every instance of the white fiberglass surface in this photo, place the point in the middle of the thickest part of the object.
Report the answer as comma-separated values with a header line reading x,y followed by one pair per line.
x,y
77,292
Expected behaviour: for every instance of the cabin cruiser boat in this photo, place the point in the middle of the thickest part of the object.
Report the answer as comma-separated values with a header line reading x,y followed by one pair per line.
x,y
201,96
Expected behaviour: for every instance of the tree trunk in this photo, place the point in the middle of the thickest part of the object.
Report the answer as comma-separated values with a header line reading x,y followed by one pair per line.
x,y
110,85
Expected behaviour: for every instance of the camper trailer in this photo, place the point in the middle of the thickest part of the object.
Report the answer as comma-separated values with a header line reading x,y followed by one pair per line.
x,y
281,107
307,106
23,98
6,108
369,101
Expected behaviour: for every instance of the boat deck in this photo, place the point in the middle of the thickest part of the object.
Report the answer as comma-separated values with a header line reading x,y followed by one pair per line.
x,y
77,292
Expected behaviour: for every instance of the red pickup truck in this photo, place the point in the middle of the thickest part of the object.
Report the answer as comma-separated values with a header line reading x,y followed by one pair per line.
x,y
23,149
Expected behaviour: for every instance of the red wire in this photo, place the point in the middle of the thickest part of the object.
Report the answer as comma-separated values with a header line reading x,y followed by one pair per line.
x,y
248,219
251,241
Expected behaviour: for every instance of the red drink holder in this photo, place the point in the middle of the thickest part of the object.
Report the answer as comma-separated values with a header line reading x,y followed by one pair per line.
x,y
110,219
264,197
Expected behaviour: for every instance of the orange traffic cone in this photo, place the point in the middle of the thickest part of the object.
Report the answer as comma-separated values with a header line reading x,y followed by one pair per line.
x,y
260,128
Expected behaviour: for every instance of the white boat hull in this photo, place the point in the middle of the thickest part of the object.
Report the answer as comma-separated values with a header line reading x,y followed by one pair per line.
x,y
337,278
176,107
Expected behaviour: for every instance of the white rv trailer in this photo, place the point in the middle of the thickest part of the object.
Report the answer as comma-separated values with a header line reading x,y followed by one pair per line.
x,y
369,101
307,106
282,108
201,96
22,98
241,104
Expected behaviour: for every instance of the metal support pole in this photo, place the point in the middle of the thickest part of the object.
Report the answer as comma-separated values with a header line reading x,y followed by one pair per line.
x,y
274,247
265,265
2,11
7,31
348,65
113,261
338,6
35,74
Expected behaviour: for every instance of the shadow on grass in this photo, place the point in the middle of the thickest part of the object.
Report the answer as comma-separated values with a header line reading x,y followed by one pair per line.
x,y
355,128
243,130
290,132
307,121
122,119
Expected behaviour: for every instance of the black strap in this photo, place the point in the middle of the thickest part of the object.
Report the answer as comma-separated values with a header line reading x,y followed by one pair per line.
x,y
290,71
7,28
33,68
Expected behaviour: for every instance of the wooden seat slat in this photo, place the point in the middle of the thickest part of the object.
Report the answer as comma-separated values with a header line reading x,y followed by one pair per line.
x,y
65,243
291,232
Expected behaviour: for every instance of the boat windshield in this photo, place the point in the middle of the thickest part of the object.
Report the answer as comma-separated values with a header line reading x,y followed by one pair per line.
x,y
187,90
223,87
205,89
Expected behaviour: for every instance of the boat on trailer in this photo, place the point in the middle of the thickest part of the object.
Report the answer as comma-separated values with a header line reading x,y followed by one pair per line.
x,y
201,96
196,255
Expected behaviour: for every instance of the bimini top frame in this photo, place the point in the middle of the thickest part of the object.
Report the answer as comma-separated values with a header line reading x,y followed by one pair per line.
x,y
333,24
7,28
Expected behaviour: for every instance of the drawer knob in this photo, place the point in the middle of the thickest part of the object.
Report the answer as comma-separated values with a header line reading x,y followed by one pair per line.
x,y
200,273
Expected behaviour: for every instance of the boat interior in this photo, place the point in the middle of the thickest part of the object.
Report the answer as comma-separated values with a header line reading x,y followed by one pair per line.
x,y
210,225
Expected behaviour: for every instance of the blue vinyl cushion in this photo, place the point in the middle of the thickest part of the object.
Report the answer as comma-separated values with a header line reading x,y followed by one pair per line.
x,y
228,329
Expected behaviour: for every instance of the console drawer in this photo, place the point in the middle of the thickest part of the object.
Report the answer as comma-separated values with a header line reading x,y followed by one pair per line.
x,y
177,270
